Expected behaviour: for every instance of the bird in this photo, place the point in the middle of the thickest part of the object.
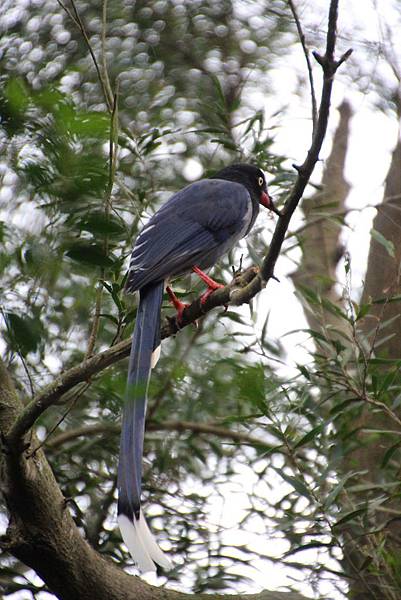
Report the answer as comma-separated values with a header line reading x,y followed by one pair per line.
x,y
190,232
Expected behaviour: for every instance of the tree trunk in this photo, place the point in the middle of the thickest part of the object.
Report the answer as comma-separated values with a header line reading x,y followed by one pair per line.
x,y
324,214
317,272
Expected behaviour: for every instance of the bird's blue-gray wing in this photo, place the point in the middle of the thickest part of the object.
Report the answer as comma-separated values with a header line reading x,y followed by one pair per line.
x,y
194,227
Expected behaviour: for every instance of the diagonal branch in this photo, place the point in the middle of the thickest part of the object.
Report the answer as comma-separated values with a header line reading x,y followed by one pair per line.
x,y
241,290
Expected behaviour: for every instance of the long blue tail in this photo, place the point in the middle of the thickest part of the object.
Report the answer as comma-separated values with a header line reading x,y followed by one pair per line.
x,y
146,339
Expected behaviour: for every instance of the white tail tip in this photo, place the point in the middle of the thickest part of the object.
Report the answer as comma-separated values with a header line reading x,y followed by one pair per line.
x,y
155,357
141,544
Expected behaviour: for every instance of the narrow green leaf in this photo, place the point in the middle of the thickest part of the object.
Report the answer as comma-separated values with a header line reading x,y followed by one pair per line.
x,y
111,318
362,311
295,482
89,254
304,371
229,144
387,244
233,316
309,436
387,300
101,224
335,492
350,516
368,560
390,453
24,333
308,546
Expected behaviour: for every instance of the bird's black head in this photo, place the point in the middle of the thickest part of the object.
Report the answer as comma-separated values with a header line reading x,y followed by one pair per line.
x,y
252,178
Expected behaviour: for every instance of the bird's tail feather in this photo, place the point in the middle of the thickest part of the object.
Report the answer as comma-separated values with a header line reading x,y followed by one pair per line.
x,y
141,544
145,343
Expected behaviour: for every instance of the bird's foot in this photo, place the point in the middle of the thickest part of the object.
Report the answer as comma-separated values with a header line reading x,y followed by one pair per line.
x,y
212,285
178,305
210,291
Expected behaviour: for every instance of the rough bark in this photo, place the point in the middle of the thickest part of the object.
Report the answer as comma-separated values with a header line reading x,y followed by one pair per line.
x,y
382,282
383,271
321,234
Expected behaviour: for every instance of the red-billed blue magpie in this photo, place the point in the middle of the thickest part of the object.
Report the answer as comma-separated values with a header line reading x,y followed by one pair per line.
x,y
191,231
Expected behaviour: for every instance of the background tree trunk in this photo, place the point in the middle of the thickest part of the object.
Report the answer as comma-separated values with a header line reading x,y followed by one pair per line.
x,y
321,250
324,214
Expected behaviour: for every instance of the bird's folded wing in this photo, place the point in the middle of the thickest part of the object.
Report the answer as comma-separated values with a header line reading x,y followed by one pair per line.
x,y
196,220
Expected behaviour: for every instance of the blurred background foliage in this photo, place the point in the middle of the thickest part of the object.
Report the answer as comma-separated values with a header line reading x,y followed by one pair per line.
x,y
236,442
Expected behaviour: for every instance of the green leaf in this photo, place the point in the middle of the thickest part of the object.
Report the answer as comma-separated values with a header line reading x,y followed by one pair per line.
x,y
334,493
89,254
338,488
90,124
233,316
111,318
25,333
17,95
100,223
304,372
366,563
387,244
390,453
296,483
350,516
362,311
386,300
309,436
308,546
114,290
229,144
14,101
219,91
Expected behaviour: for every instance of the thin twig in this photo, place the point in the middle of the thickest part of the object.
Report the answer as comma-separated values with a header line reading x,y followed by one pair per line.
x,y
96,321
105,71
19,352
75,17
107,210
308,63
60,420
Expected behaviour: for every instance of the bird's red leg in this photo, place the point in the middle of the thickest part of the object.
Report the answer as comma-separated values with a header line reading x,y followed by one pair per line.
x,y
211,284
178,305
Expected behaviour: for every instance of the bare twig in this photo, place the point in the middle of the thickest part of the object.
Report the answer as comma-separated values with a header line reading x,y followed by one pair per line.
x,y
105,71
96,321
107,209
75,17
60,420
308,63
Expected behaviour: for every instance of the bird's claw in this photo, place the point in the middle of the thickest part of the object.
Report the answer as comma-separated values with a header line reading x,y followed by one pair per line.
x,y
178,305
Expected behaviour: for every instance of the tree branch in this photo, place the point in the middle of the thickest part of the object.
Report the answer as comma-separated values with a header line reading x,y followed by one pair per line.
x,y
178,426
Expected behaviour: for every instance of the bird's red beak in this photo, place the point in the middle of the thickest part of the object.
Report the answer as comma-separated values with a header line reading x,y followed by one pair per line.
x,y
267,201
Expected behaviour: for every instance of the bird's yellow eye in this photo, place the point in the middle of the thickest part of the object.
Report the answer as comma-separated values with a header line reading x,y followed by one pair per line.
x,y
261,181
